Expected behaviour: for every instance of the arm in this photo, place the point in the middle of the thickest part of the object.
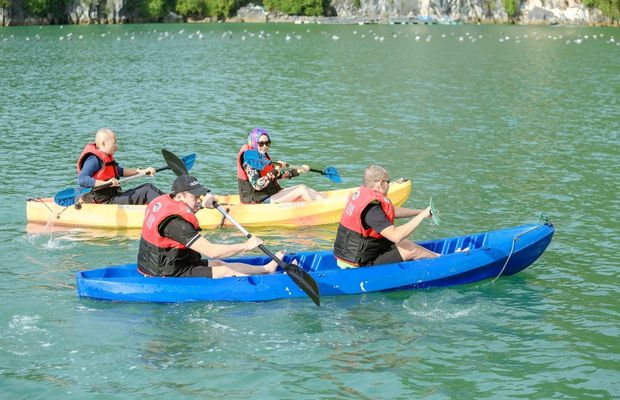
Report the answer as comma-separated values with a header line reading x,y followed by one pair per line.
x,y
402,212
288,172
215,250
135,171
180,230
258,182
398,233
92,164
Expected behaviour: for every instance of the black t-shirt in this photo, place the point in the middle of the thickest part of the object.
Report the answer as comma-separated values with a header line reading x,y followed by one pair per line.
x,y
374,217
180,230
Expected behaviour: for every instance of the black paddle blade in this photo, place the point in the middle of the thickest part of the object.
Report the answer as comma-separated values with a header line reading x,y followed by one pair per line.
x,y
174,163
304,281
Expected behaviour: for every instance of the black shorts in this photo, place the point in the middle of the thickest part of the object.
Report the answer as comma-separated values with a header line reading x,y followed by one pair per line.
x,y
201,270
389,257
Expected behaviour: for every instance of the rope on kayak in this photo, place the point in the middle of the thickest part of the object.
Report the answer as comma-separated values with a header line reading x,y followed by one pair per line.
x,y
52,212
543,221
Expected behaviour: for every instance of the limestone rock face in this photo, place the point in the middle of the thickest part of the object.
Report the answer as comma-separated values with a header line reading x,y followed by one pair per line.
x,y
89,12
421,11
530,11
252,13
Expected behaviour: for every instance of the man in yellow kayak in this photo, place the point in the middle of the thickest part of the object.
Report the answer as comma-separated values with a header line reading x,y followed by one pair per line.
x,y
172,246
96,166
257,175
367,234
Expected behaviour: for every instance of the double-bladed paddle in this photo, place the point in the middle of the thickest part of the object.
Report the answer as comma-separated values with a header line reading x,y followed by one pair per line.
x,y
257,161
70,196
295,272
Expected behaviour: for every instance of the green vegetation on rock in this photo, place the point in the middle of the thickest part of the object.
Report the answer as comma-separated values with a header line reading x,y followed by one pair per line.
x,y
611,8
296,7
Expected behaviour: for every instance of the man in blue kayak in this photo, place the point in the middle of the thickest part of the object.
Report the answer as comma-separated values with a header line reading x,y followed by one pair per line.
x,y
96,166
171,244
367,234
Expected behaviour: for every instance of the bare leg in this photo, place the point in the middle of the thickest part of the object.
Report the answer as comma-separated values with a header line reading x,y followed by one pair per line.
x,y
223,269
412,251
296,192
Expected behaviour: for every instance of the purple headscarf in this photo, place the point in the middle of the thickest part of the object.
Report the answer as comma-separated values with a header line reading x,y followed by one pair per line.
x,y
254,135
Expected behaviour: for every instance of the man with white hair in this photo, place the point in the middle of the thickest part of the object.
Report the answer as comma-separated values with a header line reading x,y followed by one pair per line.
x,y
96,166
367,234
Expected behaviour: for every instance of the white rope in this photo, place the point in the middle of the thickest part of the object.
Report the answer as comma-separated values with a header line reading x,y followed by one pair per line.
x,y
514,241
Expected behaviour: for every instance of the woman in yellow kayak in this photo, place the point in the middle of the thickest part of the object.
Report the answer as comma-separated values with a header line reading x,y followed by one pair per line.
x,y
257,175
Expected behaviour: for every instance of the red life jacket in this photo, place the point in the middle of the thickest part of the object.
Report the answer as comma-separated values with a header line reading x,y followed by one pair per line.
x,y
107,171
159,255
247,193
354,243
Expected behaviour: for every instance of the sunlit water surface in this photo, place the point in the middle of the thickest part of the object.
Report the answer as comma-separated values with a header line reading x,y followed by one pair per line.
x,y
496,123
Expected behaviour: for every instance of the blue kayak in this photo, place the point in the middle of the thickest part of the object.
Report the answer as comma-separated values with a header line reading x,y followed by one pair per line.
x,y
464,259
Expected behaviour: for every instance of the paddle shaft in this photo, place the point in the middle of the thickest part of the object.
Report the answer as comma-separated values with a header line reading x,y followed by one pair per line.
x,y
298,275
68,197
320,171
127,179
248,235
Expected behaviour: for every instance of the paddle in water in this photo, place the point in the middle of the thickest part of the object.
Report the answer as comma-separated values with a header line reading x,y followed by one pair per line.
x,y
295,272
258,161
68,197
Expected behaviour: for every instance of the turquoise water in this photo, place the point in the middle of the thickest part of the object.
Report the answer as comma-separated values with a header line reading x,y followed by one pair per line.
x,y
496,123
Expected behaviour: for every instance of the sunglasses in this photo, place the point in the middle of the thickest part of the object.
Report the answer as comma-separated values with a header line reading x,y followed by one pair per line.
x,y
268,143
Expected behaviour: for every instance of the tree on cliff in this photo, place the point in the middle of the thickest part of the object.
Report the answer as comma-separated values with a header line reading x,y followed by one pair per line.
x,y
610,8
199,9
296,7
511,8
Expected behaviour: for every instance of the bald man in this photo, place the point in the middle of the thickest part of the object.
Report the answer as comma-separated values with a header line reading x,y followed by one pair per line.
x,y
367,234
96,166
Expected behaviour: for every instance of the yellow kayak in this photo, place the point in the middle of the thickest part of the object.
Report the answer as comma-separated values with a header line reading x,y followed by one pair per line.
x,y
302,213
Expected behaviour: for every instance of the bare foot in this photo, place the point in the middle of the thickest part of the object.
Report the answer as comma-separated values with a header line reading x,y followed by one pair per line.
x,y
272,266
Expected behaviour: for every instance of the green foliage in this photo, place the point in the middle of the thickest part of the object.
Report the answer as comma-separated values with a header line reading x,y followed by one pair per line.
x,y
150,10
511,8
203,8
611,8
221,8
155,9
38,8
296,7
5,3
192,8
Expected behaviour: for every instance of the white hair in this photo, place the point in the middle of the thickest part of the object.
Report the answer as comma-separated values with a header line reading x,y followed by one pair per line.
x,y
374,173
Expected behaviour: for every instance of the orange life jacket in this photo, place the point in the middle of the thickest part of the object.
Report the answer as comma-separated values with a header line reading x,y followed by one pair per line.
x,y
356,244
247,193
159,255
107,171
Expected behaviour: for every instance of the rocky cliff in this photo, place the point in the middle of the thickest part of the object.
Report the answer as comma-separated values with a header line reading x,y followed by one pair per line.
x,y
398,11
